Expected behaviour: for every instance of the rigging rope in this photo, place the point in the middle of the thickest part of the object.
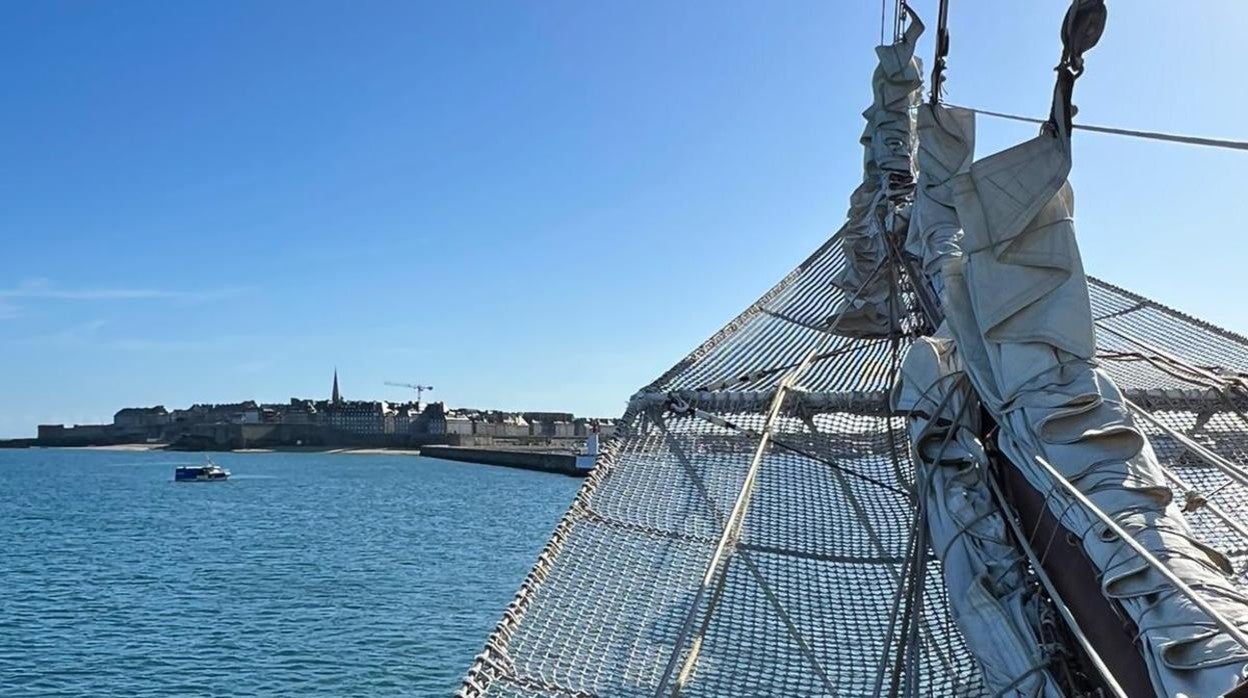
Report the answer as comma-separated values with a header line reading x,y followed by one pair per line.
x,y
1132,133
942,50
1054,595
883,12
1125,537
899,12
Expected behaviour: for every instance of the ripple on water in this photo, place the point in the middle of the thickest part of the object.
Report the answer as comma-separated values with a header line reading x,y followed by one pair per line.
x,y
306,574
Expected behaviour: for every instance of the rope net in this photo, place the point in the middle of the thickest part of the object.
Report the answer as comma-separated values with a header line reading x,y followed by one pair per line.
x,y
809,602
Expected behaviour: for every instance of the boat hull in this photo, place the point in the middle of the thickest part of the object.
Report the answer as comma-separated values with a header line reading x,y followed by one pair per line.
x,y
200,475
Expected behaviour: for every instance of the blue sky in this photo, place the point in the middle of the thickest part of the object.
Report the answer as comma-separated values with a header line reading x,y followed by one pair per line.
x,y
530,205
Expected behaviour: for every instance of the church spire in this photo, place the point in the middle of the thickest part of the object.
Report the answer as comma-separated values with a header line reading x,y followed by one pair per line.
x,y
336,397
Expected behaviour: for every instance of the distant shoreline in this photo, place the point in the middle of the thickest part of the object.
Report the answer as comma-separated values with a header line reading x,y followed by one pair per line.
x,y
558,461
277,449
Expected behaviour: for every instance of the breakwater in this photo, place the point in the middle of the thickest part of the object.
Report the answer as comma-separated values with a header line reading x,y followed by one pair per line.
x,y
563,463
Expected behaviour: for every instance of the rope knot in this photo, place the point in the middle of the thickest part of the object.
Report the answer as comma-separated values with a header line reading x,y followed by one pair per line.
x,y
1193,500
677,404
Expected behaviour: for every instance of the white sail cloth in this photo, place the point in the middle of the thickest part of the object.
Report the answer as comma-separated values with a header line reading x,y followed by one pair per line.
x,y
879,204
1016,299
946,147
985,574
982,570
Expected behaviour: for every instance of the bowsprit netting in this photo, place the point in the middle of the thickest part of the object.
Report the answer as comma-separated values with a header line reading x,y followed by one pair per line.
x,y
808,600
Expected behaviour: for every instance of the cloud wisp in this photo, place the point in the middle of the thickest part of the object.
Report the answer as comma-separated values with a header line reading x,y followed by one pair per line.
x,y
40,289
9,311
79,334
91,335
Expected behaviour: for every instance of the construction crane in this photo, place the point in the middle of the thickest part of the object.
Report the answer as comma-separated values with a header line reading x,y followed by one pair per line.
x,y
420,389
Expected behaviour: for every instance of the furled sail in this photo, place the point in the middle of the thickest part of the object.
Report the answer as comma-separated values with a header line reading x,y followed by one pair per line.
x,y
879,206
946,147
997,610
1016,300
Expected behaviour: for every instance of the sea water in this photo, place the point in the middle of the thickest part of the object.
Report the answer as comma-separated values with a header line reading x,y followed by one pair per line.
x,y
304,574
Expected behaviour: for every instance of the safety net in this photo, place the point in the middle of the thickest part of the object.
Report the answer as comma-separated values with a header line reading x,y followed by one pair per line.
x,y
630,596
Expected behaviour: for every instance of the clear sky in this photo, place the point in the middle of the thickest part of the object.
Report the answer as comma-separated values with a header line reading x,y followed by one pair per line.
x,y
530,205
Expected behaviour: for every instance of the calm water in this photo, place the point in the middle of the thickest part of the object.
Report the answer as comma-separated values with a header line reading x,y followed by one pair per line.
x,y
305,574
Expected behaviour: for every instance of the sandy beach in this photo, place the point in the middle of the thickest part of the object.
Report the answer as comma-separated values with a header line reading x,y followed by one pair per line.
x,y
119,447
292,449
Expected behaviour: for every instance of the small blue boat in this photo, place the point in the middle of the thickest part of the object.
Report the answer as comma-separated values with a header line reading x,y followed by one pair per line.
x,y
209,472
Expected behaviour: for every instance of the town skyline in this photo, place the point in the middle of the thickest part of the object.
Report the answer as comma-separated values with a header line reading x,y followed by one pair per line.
x,y
333,421
336,396
389,392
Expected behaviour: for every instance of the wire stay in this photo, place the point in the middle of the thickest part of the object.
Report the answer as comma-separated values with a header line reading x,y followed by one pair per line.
x,y
1224,143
